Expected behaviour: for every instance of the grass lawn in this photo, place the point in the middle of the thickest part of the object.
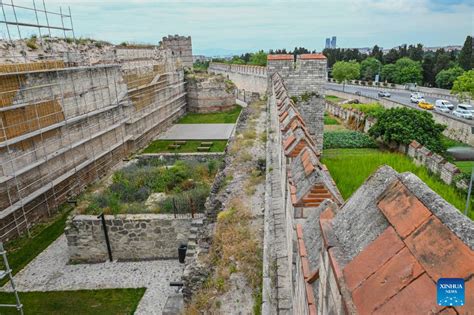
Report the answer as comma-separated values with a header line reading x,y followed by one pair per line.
x,y
351,167
329,120
333,98
24,249
225,117
161,146
449,143
110,301
465,166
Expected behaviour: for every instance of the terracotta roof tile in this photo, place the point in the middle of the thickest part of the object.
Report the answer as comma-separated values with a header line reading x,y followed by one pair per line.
x,y
302,249
469,298
419,297
372,258
440,252
310,294
327,214
280,57
398,272
312,56
289,141
283,116
402,209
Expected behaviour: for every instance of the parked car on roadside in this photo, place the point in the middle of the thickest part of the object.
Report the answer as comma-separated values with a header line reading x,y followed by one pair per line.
x,y
462,113
357,93
425,105
384,94
449,105
439,107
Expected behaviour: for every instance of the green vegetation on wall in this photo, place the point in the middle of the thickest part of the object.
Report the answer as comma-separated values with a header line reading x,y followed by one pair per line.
x,y
347,139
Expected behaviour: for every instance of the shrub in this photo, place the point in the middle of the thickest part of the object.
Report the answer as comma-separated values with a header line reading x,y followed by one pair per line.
x,y
184,201
371,109
347,139
403,125
392,85
362,82
370,83
31,43
385,84
328,120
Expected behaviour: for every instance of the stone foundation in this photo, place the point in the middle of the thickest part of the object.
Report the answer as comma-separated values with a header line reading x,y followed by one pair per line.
x,y
209,93
132,237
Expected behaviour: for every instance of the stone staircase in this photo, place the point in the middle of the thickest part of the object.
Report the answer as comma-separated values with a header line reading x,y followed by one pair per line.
x,y
196,224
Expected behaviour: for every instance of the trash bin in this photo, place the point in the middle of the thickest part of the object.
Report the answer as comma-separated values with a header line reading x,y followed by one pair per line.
x,y
182,252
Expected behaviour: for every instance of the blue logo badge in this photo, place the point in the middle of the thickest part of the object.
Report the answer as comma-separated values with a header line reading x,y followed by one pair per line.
x,y
450,292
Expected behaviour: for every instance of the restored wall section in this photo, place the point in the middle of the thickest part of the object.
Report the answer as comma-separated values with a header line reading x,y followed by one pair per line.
x,y
245,77
209,93
132,237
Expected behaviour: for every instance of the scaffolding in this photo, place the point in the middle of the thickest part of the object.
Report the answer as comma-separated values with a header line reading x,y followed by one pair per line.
x,y
68,115
8,273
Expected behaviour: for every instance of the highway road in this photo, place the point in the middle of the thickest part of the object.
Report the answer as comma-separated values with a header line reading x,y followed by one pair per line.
x,y
396,95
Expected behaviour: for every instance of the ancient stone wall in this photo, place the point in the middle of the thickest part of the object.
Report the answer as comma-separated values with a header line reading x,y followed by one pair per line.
x,y
245,77
313,112
132,237
209,93
181,47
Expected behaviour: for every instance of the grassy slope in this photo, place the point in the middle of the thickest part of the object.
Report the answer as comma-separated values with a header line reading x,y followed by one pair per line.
x,y
224,117
465,166
23,250
104,302
160,146
351,167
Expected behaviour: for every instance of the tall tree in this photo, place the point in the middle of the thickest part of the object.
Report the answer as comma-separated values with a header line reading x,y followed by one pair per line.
x,y
369,68
343,71
466,57
376,53
429,75
415,52
442,60
389,72
408,71
463,86
392,56
445,78
259,58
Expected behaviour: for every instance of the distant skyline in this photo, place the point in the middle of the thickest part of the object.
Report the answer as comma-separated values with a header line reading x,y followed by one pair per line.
x,y
234,27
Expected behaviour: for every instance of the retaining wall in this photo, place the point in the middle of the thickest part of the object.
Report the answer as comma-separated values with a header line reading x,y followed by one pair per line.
x,y
170,158
132,237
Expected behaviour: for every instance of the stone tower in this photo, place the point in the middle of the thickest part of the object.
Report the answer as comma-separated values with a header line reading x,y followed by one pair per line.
x,y
181,48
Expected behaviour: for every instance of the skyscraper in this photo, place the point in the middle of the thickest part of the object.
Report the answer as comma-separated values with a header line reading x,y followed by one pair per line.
x,y
333,42
328,43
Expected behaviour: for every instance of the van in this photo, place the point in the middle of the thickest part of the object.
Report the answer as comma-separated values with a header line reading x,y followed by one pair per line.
x,y
444,103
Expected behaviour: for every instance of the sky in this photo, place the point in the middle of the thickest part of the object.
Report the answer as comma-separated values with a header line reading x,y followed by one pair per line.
x,y
232,27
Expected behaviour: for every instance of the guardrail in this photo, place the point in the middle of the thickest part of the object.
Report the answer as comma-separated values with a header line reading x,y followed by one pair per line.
x,y
437,95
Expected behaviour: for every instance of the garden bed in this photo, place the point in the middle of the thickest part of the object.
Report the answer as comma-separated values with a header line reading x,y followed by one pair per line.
x,y
165,146
150,186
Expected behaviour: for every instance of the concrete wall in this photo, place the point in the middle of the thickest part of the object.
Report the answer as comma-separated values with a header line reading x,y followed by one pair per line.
x,y
245,77
457,129
132,237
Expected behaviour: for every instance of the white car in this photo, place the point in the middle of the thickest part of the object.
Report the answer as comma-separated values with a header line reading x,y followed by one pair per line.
x,y
462,113
441,108
383,94
466,107
416,99
417,95
444,103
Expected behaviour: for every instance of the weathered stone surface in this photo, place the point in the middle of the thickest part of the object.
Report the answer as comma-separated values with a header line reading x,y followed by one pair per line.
x,y
132,237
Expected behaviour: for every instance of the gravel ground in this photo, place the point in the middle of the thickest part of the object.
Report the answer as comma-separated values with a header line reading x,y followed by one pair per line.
x,y
49,272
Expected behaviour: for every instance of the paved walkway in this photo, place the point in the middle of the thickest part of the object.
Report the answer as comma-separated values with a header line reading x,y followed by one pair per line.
x,y
198,132
49,272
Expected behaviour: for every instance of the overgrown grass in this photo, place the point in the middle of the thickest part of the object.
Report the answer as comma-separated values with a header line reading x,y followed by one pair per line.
x,y
450,143
347,139
24,249
351,167
235,248
161,146
333,98
132,185
84,302
224,117
370,109
329,120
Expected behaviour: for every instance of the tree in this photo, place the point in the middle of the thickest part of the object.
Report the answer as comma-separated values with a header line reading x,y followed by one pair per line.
x,y
428,70
415,52
446,78
442,60
369,68
377,53
392,56
259,58
403,125
466,57
345,70
408,71
389,72
463,86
